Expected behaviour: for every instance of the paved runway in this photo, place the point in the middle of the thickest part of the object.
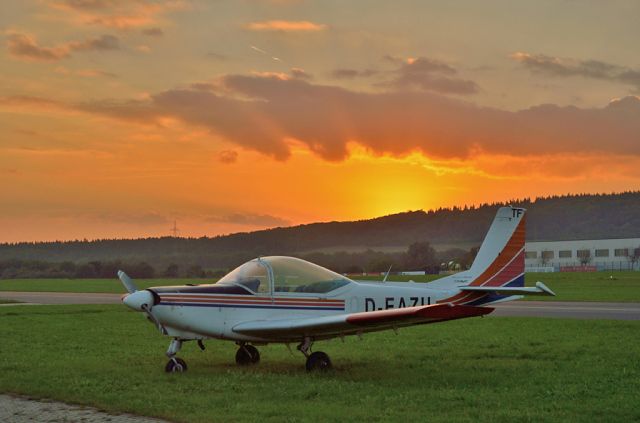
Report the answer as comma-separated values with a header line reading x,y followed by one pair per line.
x,y
571,310
560,309
61,297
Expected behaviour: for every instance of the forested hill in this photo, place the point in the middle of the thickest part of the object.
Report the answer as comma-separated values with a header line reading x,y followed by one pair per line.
x,y
552,218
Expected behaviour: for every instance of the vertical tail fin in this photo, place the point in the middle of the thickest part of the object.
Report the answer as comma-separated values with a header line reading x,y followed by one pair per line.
x,y
499,262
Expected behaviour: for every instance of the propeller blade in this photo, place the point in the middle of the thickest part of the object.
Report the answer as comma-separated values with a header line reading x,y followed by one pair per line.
x,y
127,282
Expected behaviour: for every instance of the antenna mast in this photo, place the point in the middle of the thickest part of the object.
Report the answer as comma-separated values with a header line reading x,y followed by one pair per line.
x,y
175,229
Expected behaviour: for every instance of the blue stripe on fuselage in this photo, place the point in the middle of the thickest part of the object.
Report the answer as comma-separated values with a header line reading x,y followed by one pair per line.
x,y
251,306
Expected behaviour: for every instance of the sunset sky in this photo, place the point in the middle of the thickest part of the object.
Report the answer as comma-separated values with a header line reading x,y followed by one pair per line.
x,y
118,117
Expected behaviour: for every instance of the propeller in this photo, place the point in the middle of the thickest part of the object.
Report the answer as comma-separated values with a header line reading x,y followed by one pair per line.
x,y
139,300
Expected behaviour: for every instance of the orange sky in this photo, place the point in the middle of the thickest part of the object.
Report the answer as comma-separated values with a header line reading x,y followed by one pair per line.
x,y
119,117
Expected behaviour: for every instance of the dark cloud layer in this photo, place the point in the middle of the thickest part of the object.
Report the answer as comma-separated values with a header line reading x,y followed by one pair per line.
x,y
26,47
228,156
104,42
347,73
262,112
153,32
430,75
414,74
564,67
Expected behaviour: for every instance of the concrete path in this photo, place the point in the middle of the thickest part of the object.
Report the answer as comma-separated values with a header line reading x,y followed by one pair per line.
x,y
561,309
19,409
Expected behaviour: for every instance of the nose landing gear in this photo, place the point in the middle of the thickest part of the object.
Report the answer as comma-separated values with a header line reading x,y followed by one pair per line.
x,y
175,364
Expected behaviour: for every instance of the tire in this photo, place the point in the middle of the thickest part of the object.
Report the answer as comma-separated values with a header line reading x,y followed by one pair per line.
x,y
176,365
255,354
246,355
318,361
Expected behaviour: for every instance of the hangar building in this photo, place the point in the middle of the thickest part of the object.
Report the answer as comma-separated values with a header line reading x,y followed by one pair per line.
x,y
596,254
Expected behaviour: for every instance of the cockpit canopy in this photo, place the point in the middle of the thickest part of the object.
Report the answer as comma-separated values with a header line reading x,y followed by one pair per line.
x,y
284,274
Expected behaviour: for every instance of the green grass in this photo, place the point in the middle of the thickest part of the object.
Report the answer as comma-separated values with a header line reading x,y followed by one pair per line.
x,y
590,286
85,285
5,301
492,370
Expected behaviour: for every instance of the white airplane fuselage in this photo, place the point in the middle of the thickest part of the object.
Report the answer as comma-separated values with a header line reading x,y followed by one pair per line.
x,y
215,315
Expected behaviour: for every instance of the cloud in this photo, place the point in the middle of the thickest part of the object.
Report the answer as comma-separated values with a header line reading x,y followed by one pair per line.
x,y
153,32
300,74
30,103
346,73
88,4
285,26
228,156
266,113
566,67
119,14
429,75
102,43
25,47
85,73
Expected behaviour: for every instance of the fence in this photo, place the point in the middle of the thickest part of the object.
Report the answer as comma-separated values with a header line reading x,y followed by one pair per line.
x,y
568,266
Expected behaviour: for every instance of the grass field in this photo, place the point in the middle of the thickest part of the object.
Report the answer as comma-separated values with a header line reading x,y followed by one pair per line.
x,y
85,285
3,301
492,369
594,286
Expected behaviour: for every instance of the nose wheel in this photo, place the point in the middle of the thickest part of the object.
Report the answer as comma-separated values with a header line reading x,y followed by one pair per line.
x,y
247,355
176,365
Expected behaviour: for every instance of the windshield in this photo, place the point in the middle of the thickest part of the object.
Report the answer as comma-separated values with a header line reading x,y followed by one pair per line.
x,y
253,275
295,275
290,274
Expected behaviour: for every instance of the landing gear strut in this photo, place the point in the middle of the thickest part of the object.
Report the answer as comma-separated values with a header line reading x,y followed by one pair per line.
x,y
247,354
317,361
175,364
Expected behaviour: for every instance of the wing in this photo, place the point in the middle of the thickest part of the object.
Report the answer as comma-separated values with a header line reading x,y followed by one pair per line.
x,y
347,324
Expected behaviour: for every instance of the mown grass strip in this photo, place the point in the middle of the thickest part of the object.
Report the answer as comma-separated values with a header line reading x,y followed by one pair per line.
x,y
491,369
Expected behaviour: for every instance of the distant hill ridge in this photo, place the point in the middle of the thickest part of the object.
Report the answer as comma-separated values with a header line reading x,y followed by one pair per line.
x,y
568,217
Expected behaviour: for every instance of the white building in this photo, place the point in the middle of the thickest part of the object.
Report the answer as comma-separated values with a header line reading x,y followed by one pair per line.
x,y
598,254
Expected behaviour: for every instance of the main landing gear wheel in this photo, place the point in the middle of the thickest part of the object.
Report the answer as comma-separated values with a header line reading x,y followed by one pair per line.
x,y
176,365
318,361
247,354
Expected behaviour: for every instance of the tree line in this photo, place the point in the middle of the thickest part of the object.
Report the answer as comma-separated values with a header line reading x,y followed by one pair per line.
x,y
419,256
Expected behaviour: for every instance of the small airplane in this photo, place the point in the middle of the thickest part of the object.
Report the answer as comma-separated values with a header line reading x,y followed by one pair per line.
x,y
288,300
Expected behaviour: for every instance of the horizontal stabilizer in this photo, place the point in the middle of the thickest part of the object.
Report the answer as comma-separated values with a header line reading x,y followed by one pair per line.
x,y
539,289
